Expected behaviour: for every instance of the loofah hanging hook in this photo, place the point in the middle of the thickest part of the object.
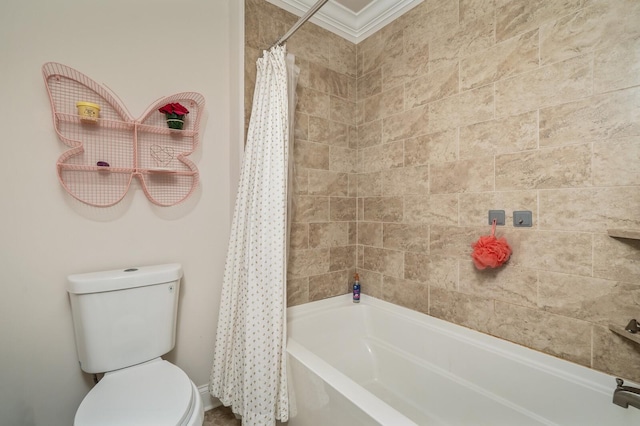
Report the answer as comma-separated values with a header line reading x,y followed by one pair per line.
x,y
489,251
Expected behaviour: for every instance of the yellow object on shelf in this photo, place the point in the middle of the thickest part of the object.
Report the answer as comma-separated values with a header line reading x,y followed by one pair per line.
x,y
88,111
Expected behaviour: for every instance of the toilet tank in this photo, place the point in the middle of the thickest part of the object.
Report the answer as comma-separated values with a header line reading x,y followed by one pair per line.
x,y
125,316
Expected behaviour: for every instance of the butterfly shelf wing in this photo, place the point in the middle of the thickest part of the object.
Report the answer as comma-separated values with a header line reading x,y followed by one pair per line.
x,y
108,151
167,176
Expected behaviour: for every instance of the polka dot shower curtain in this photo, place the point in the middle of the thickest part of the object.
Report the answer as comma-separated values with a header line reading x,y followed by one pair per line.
x,y
249,365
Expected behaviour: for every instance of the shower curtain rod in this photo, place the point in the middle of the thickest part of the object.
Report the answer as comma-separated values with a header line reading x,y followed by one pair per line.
x,y
301,21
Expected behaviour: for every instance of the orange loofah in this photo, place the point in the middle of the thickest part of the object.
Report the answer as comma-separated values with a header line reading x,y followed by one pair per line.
x,y
489,251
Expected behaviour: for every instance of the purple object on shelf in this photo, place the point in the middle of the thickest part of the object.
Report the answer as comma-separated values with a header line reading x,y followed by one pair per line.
x,y
102,164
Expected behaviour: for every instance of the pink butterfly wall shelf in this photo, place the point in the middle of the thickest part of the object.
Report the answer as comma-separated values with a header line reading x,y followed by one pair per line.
x,y
109,151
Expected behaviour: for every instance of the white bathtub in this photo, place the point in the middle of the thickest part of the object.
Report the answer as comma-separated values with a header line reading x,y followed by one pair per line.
x,y
376,363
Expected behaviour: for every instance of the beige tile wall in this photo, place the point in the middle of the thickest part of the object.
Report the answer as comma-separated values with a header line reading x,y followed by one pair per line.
x,y
463,106
323,236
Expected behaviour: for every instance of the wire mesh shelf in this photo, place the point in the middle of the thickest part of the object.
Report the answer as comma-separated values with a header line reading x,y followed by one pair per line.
x,y
110,148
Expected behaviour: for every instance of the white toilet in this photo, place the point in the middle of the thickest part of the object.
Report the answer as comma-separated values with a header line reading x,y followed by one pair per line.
x,y
124,321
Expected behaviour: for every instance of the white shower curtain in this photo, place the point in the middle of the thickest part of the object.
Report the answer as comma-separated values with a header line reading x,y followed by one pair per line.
x,y
249,366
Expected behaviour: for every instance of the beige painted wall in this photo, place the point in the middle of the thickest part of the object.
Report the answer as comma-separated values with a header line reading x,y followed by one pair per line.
x,y
142,50
463,106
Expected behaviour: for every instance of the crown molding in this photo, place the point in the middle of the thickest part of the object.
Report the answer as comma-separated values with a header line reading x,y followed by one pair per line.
x,y
340,20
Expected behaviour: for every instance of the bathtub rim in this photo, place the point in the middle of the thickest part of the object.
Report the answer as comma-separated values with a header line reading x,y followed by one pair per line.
x,y
377,409
577,374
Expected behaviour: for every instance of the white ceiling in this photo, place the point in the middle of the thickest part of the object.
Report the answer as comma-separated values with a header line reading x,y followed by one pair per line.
x,y
353,20
354,5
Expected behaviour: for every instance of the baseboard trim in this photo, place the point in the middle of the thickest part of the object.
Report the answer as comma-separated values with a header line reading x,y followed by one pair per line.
x,y
208,401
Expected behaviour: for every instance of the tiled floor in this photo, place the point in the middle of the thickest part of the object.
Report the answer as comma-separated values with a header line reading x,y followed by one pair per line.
x,y
220,416
223,416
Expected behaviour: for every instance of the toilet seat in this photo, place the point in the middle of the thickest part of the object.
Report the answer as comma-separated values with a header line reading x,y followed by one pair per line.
x,y
155,393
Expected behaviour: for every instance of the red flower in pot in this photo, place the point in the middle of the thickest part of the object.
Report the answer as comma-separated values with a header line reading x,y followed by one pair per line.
x,y
174,113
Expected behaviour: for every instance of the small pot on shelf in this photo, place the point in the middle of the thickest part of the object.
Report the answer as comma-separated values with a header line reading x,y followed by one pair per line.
x,y
88,111
175,121
174,113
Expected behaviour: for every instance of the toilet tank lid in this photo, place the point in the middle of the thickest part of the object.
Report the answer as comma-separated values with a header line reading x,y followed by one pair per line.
x,y
119,279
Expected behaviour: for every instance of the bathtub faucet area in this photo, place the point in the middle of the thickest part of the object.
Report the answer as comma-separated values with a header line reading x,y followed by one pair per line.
x,y
625,395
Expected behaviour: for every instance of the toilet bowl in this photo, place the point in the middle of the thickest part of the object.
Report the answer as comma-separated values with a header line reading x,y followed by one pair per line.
x,y
124,321
154,393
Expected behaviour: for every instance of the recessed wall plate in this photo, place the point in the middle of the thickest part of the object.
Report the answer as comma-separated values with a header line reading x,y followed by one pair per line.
x,y
522,218
498,215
